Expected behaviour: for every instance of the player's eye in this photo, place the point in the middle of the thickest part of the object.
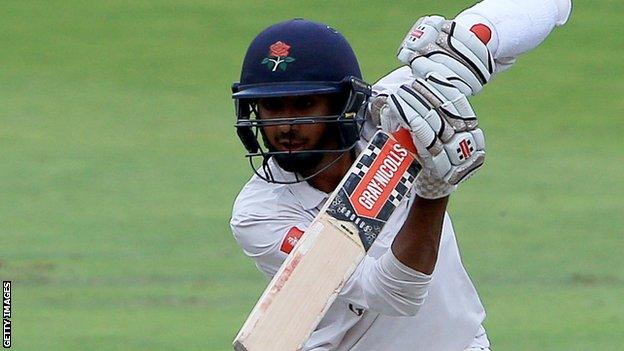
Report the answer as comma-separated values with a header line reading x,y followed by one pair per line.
x,y
271,105
304,102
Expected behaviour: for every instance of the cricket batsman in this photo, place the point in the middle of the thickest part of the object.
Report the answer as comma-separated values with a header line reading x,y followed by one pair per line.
x,y
303,116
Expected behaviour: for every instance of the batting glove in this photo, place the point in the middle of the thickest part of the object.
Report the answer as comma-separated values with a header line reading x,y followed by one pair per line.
x,y
435,44
444,128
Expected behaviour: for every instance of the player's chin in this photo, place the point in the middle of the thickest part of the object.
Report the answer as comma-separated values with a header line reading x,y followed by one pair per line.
x,y
301,162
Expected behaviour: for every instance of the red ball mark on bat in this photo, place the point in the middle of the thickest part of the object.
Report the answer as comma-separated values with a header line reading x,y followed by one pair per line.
x,y
483,32
281,281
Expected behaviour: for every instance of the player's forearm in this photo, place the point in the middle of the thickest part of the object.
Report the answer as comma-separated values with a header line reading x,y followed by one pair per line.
x,y
417,243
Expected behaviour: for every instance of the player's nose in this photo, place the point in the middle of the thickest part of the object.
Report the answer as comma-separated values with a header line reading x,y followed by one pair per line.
x,y
290,112
285,128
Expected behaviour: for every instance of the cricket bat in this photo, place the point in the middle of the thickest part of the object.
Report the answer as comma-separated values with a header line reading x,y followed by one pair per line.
x,y
327,254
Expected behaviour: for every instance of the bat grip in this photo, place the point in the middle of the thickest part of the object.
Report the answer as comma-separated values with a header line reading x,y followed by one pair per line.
x,y
404,137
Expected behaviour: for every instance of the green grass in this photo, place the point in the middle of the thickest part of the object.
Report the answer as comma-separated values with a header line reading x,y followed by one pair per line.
x,y
119,165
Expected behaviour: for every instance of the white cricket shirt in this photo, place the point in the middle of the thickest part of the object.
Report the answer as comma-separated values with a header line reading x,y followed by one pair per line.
x,y
449,319
268,219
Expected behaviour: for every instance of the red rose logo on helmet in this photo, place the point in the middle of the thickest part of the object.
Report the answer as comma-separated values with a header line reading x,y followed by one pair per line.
x,y
279,49
278,56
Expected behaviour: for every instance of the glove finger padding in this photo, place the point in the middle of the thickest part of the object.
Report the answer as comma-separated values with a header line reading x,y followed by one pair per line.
x,y
425,108
429,147
423,66
444,129
424,136
434,42
454,105
469,47
423,32
465,147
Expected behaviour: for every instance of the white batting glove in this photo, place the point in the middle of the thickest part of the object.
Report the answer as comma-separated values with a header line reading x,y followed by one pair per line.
x,y
444,128
435,44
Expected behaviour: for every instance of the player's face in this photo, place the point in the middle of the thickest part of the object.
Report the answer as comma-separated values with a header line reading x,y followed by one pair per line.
x,y
288,137
299,137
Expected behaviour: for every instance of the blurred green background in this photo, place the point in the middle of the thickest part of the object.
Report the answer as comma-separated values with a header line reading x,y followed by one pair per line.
x,y
119,164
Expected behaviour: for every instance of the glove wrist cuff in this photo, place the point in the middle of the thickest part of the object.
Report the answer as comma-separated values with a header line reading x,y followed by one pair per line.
x,y
429,187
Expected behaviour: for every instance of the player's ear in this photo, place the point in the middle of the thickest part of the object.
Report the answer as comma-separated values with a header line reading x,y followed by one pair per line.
x,y
247,137
338,102
243,122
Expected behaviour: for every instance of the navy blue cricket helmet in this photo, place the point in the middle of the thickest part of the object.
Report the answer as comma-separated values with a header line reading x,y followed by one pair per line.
x,y
298,57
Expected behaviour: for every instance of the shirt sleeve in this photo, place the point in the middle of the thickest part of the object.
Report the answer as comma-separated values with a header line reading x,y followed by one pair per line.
x,y
266,238
518,26
387,286
381,283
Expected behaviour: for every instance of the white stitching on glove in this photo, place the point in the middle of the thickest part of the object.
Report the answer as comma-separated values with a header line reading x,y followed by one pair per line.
x,y
444,128
435,44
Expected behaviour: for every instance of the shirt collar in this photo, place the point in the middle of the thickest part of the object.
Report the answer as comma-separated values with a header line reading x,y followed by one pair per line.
x,y
308,196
